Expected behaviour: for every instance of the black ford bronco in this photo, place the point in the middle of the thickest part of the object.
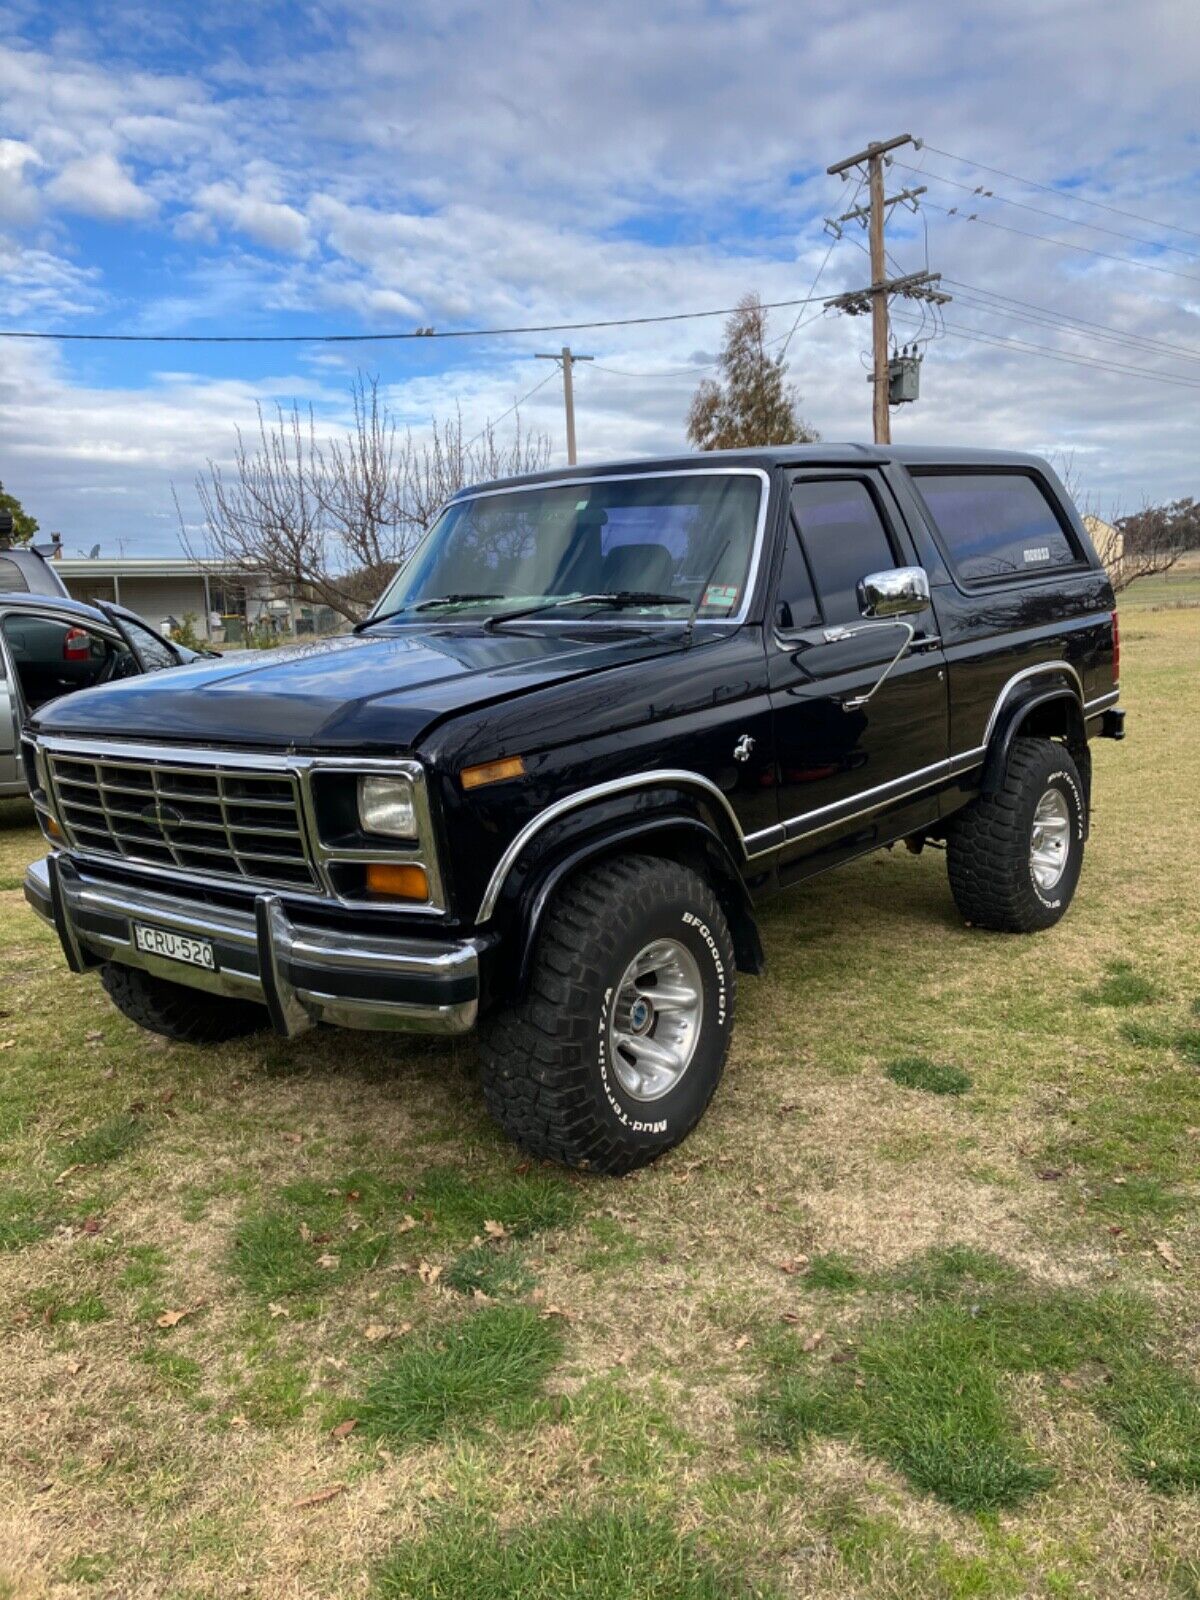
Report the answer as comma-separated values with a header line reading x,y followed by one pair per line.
x,y
595,717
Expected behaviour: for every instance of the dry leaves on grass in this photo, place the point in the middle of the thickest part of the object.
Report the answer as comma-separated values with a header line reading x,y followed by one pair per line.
x,y
329,1261
7,1044
428,1273
407,1223
377,1332
319,1496
495,1230
1167,1255
171,1319
344,1429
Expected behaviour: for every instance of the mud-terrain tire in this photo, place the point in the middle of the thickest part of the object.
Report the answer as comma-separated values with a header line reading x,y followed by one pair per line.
x,y
193,1016
1015,856
568,1072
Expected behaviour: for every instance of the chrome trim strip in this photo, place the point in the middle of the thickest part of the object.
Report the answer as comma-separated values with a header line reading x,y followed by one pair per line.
x,y
1101,700
582,797
767,840
1020,677
939,768
628,477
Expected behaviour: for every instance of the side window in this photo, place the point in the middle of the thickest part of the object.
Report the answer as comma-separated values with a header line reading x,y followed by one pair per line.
x,y
12,579
795,604
995,524
844,538
155,653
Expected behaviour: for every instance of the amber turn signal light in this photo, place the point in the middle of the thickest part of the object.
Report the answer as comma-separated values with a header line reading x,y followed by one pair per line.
x,y
400,879
52,827
492,772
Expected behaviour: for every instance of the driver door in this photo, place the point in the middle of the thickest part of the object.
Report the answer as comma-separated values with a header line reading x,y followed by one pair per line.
x,y
49,655
860,706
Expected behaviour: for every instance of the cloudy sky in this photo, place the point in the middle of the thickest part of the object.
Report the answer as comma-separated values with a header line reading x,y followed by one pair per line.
x,y
369,166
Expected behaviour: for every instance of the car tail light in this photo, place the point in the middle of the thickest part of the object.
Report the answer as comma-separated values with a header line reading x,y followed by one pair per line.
x,y
76,645
1116,648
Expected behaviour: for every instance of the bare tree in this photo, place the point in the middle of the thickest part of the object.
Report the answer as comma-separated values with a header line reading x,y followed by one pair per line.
x,y
753,404
331,518
1143,545
1151,541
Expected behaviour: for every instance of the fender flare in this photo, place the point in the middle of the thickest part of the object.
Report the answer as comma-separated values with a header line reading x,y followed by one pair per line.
x,y
1011,719
688,837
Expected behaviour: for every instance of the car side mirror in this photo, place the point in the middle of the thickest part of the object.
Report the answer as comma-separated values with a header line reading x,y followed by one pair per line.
x,y
899,592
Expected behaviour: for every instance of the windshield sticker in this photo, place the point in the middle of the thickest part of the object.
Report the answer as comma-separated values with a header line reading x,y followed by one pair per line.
x,y
721,594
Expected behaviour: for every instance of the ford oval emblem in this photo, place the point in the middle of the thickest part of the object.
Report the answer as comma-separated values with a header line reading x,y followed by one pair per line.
x,y
166,816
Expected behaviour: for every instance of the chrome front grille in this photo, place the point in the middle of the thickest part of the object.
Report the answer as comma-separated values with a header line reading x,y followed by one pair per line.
x,y
229,822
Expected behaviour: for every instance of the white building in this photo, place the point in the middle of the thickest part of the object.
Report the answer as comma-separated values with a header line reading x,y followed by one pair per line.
x,y
166,590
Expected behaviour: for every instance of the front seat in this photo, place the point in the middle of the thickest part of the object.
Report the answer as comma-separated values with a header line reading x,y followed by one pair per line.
x,y
648,567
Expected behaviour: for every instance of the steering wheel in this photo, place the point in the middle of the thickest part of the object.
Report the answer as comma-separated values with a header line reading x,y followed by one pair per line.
x,y
114,667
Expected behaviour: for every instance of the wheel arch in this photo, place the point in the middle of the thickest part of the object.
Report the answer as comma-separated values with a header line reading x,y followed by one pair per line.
x,y
1046,711
676,836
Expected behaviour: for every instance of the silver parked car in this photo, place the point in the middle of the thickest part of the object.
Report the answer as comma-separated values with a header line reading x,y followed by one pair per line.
x,y
51,645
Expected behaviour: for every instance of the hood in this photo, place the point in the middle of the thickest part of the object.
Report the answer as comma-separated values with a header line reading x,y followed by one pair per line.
x,y
380,690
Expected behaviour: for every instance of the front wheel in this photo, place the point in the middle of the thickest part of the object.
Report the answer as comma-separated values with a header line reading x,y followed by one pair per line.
x,y
191,1016
1015,856
614,1054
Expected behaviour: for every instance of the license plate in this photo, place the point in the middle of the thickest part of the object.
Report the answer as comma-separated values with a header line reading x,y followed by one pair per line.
x,y
175,946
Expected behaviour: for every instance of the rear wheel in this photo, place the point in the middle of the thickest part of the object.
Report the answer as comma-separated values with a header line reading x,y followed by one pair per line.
x,y
193,1016
614,1054
1015,856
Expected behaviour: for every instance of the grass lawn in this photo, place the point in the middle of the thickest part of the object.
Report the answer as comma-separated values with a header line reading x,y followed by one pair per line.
x,y
913,1314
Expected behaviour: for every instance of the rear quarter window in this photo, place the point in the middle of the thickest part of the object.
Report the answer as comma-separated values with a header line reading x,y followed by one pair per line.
x,y
12,579
995,525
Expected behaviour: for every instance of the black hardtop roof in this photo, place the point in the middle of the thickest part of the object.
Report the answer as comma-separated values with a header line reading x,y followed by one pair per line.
x,y
775,456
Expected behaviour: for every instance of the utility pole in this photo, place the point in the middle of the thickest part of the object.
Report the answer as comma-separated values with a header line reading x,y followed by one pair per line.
x,y
568,358
880,415
916,286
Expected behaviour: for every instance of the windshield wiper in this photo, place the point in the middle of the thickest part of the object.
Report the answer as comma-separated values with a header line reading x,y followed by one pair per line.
x,y
424,605
618,598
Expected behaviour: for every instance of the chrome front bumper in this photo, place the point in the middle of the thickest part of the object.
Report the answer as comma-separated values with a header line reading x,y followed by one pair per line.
x,y
302,975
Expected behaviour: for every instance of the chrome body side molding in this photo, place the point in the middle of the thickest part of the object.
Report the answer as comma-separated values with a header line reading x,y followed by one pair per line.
x,y
767,840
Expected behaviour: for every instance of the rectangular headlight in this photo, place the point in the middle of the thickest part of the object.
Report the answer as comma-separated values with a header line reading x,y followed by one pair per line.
x,y
385,805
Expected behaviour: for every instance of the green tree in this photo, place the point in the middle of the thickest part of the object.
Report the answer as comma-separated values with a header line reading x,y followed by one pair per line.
x,y
752,404
24,526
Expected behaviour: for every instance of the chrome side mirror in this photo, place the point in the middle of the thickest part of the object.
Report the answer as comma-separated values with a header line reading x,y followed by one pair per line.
x,y
900,592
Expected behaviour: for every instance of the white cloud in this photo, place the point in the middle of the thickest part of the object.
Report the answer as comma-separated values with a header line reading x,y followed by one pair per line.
x,y
268,222
98,186
546,162
19,203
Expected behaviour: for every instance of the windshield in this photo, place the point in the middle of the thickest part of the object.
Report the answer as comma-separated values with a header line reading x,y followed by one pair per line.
x,y
672,539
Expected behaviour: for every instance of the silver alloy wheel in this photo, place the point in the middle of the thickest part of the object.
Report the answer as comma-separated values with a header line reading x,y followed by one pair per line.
x,y
655,1019
1050,842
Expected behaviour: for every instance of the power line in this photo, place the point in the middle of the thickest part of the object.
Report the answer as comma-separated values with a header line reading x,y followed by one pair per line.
x,y
379,338
862,178
494,422
1090,330
980,336
707,366
1159,345
1056,216
1063,244
1065,194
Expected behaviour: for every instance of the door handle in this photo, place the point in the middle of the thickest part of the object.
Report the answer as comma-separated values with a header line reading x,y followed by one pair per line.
x,y
926,641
